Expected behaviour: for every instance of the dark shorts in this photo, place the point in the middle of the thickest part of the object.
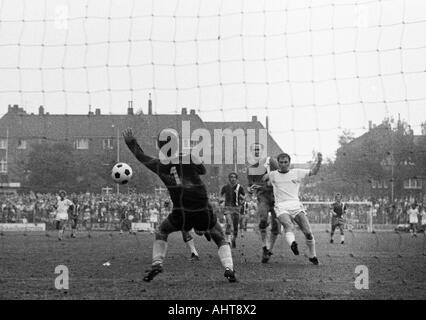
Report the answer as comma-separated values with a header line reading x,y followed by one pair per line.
x,y
60,224
74,222
202,220
337,223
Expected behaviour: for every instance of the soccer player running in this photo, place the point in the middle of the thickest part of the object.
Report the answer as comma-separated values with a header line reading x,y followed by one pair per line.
x,y
286,184
63,206
74,212
338,209
233,196
265,200
191,207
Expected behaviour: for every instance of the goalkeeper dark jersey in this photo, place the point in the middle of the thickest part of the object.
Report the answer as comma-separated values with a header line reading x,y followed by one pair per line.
x,y
182,179
339,209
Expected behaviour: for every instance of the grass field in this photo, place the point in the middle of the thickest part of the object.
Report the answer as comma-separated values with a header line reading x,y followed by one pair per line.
x,y
396,265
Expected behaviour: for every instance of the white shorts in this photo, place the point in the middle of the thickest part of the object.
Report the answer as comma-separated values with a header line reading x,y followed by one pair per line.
x,y
413,220
62,216
292,208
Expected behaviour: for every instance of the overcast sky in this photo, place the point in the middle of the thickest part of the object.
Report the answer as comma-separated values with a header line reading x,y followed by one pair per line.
x,y
314,67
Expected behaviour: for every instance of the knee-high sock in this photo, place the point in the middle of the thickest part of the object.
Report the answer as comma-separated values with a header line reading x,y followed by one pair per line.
x,y
311,248
159,251
342,237
225,256
263,237
289,237
191,246
271,242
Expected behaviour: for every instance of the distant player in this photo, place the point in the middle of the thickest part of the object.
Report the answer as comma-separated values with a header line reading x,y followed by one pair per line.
x,y
244,216
87,219
63,206
338,209
122,211
74,213
233,196
265,199
286,184
413,219
191,207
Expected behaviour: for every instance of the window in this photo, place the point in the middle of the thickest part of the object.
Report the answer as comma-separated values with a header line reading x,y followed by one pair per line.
x,y
3,166
22,144
413,184
107,144
3,144
379,184
82,144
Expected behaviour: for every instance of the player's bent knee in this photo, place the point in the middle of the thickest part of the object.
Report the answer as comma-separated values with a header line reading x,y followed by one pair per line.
x,y
186,236
309,236
263,224
161,236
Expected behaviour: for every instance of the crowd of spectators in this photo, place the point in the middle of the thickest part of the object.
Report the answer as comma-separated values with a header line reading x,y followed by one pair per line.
x,y
102,208
139,207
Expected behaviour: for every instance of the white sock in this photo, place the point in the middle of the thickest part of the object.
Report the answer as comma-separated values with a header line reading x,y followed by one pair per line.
x,y
225,256
289,236
311,247
272,239
159,251
191,246
342,238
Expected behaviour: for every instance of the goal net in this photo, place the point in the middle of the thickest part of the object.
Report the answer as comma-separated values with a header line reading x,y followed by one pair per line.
x,y
359,215
313,67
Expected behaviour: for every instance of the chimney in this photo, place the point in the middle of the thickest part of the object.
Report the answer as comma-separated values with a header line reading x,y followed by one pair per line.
x,y
9,108
370,125
184,111
254,118
90,110
192,112
130,109
267,124
149,105
97,111
41,111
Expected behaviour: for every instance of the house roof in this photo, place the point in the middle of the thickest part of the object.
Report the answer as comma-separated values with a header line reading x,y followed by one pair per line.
x,y
273,146
62,127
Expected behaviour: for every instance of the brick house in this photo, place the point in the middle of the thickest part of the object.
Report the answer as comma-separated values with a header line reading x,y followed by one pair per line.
x,y
99,133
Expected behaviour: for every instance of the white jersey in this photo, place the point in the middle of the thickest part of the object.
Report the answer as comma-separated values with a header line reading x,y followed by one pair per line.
x,y
286,190
412,215
62,210
153,215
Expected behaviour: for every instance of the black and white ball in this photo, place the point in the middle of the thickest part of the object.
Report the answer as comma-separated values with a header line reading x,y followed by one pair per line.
x,y
121,173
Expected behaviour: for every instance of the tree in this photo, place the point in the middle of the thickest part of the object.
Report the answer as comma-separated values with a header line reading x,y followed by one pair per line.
x,y
346,137
50,167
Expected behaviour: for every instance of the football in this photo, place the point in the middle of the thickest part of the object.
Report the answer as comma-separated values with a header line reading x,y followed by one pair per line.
x,y
121,173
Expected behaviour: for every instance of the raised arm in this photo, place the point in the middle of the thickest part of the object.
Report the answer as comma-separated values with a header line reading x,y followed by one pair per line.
x,y
150,162
315,168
